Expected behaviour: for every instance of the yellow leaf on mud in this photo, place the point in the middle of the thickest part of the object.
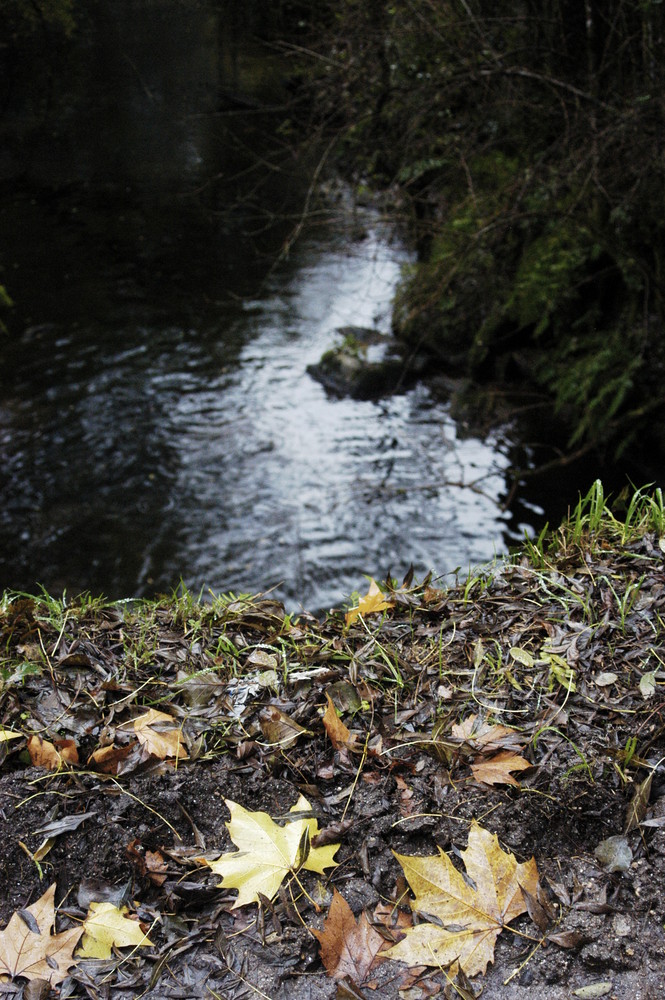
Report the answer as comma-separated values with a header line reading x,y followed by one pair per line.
x,y
496,770
105,927
29,949
471,917
157,733
7,734
374,600
269,852
53,756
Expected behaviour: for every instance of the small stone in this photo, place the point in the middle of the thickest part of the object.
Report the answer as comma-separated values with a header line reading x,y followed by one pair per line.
x,y
615,854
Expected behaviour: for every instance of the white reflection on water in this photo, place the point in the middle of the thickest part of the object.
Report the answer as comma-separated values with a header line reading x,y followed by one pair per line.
x,y
307,492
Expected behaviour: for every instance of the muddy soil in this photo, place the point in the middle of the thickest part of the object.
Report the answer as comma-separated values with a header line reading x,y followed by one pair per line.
x,y
241,678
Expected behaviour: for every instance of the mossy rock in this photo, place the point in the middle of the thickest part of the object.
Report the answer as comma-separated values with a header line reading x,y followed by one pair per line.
x,y
365,365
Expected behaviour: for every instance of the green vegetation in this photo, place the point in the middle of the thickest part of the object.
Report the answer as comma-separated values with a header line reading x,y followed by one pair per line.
x,y
526,140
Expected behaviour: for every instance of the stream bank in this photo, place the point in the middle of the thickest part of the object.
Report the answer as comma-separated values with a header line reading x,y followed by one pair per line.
x,y
556,655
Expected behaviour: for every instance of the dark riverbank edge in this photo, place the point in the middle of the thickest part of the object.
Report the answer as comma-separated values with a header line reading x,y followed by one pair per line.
x,y
560,648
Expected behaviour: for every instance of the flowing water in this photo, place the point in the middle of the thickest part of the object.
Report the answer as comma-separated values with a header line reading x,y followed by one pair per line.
x,y
140,450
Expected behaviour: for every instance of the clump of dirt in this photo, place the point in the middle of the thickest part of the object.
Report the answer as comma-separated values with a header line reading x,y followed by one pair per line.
x,y
556,663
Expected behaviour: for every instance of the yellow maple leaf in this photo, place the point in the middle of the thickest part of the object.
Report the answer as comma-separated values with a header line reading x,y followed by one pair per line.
x,y
478,915
268,852
374,600
106,926
29,949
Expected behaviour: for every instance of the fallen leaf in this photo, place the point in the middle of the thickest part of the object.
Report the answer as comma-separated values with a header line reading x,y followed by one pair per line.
x,y
522,656
348,947
560,671
331,833
268,852
7,734
150,863
107,926
605,678
485,737
648,684
568,939
407,803
496,770
639,803
280,729
64,825
593,990
111,759
261,658
338,734
29,949
53,756
41,852
157,733
471,916
374,600
391,917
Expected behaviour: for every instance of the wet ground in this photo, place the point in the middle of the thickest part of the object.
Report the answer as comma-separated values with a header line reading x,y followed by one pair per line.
x,y
557,662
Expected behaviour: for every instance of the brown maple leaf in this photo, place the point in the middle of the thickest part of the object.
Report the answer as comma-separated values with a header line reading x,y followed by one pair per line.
x,y
469,917
496,770
29,949
159,734
52,756
349,947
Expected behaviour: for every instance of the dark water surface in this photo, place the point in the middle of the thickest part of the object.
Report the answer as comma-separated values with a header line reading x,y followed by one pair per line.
x,y
137,451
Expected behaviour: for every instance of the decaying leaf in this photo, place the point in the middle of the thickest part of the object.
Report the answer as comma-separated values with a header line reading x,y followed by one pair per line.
x,y
269,852
471,917
522,656
8,734
648,684
106,927
594,990
639,802
482,736
112,759
150,863
338,734
496,770
348,947
373,600
157,733
278,728
29,949
52,755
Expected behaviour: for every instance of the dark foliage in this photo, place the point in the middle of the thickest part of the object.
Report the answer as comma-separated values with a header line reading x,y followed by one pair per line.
x,y
529,141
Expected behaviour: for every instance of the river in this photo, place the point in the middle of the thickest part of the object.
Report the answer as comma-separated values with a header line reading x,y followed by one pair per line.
x,y
144,448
